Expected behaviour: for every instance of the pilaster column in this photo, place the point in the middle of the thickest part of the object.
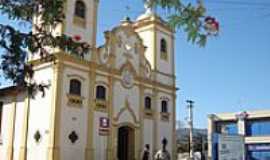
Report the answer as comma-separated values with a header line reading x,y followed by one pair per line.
x,y
141,120
89,151
55,120
11,131
156,119
94,37
23,143
174,154
111,149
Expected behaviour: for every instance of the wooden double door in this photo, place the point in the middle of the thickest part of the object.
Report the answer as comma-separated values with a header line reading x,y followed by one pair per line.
x,y
126,141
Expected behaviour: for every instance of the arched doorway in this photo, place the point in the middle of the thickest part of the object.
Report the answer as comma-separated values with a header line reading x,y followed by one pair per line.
x,y
125,144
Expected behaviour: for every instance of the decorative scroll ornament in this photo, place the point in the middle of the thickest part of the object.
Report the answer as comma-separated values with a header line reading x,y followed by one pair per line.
x,y
127,78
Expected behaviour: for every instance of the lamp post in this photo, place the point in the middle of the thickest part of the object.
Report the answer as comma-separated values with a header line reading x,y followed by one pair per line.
x,y
190,124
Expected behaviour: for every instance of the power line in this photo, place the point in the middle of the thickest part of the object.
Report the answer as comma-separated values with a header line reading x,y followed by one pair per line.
x,y
239,3
237,8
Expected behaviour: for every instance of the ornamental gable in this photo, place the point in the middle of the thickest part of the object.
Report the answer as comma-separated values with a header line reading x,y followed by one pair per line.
x,y
124,50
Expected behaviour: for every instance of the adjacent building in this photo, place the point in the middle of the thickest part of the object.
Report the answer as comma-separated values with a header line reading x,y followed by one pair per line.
x,y
253,125
104,106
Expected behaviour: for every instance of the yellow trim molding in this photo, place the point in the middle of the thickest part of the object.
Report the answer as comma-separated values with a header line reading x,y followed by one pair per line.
x,y
165,116
55,121
80,22
148,114
11,131
75,101
111,150
22,152
89,151
101,105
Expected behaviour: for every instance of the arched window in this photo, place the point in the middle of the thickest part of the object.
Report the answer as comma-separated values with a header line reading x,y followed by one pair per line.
x,y
163,46
80,9
147,102
163,49
101,92
75,87
164,106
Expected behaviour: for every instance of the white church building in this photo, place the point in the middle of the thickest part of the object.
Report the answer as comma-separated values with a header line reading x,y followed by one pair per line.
x,y
105,106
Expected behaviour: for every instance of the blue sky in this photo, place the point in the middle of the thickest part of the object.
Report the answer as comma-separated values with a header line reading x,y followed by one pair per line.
x,y
231,73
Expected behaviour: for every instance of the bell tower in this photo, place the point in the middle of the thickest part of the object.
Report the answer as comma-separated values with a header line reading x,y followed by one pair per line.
x,y
158,37
81,20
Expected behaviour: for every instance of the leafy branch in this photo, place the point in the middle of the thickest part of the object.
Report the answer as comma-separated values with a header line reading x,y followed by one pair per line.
x,y
45,15
17,45
191,18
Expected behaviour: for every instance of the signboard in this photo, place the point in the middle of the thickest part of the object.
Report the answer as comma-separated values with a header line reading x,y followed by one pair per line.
x,y
104,126
231,147
258,147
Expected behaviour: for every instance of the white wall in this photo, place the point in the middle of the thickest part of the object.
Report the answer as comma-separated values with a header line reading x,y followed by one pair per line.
x,y
165,128
120,95
100,142
39,116
6,114
20,106
74,118
148,132
165,79
147,36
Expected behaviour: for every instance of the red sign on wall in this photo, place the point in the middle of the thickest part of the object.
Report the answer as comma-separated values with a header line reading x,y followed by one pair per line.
x,y
104,126
104,122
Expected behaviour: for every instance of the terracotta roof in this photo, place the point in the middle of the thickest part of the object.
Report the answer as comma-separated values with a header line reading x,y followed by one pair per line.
x,y
10,90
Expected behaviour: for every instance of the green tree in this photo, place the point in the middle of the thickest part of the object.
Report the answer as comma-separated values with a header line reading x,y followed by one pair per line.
x,y
190,18
16,44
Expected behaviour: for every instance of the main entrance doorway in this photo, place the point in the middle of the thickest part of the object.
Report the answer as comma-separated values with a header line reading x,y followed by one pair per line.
x,y
125,147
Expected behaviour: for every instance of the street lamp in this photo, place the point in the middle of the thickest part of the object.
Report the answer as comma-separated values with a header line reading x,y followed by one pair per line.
x,y
190,124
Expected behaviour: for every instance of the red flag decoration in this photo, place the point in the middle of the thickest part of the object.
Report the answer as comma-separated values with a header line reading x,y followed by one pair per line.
x,y
104,126
77,37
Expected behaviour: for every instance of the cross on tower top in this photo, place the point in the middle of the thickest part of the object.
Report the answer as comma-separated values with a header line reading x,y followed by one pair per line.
x,y
149,7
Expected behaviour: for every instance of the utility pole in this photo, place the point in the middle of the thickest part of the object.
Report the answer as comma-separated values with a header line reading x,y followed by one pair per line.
x,y
190,124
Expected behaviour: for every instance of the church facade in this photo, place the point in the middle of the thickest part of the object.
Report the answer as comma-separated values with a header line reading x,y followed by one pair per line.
x,y
106,105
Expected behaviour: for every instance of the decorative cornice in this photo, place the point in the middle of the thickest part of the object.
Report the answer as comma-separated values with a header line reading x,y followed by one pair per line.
x,y
152,20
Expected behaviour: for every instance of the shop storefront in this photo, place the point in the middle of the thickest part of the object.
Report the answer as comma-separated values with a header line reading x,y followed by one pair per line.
x,y
258,151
